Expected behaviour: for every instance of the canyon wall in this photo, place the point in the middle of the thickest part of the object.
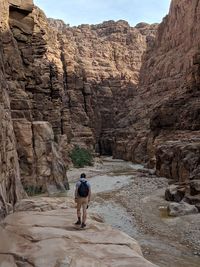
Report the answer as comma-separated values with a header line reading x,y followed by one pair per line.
x,y
28,151
75,78
163,121
101,66
10,185
62,86
36,98
175,121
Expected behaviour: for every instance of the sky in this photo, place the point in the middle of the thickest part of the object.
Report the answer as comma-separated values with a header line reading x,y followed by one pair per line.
x,y
76,12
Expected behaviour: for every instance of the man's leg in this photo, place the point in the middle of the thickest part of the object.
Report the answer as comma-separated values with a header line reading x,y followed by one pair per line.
x,y
84,206
78,212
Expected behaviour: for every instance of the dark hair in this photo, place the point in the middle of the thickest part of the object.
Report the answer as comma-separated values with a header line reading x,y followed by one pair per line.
x,y
83,175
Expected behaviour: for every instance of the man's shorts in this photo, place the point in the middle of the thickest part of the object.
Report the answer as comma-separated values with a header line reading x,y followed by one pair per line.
x,y
82,202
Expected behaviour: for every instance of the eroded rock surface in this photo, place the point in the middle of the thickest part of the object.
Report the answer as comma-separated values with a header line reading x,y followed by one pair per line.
x,y
32,145
112,88
49,239
73,79
162,127
10,186
101,65
165,105
175,120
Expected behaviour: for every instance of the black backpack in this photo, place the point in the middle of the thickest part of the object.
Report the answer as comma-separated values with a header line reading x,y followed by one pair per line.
x,y
83,189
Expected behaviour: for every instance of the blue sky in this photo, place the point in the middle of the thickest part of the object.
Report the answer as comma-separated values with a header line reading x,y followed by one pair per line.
x,y
76,12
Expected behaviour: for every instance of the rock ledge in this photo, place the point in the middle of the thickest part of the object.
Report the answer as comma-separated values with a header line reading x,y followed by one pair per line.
x,y
49,238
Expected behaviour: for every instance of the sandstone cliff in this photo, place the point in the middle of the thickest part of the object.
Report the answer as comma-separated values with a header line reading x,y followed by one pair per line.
x,y
67,86
110,87
10,185
163,121
175,121
28,149
101,65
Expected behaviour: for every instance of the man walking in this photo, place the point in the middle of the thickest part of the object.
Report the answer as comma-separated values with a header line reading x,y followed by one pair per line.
x,y
82,198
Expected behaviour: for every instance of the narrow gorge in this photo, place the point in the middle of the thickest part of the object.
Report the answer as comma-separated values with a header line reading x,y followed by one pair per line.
x,y
116,90
65,87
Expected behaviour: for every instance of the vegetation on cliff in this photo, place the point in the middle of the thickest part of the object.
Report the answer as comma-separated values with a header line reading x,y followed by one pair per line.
x,y
81,157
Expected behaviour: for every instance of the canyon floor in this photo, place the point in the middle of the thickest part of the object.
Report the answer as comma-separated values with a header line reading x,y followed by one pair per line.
x,y
129,197
125,207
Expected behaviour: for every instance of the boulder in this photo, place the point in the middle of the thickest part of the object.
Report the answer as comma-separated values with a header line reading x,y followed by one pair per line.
x,y
180,209
175,193
195,187
198,206
193,200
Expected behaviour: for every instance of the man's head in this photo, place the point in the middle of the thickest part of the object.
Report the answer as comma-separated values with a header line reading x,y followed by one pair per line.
x,y
83,175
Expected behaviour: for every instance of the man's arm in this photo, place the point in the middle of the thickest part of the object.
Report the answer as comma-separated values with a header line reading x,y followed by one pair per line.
x,y
89,194
76,192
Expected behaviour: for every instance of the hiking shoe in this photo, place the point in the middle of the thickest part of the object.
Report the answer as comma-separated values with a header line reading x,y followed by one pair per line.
x,y
83,225
78,223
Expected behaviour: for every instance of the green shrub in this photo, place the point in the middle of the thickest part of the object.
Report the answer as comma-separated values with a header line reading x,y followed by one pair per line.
x,y
32,190
81,157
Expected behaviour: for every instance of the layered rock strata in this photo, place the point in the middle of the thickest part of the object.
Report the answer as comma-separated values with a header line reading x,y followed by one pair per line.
x,y
95,87
168,85
73,79
35,98
28,148
101,68
10,186
175,121
163,122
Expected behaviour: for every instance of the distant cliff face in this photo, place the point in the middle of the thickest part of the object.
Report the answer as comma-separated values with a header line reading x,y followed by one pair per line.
x,y
75,78
101,65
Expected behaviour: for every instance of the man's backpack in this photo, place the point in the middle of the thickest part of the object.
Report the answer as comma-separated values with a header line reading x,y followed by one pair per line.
x,y
83,189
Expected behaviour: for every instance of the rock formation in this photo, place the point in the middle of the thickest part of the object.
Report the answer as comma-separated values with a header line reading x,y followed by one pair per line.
x,y
47,238
27,144
101,65
10,186
130,92
66,87
112,88
163,121
175,119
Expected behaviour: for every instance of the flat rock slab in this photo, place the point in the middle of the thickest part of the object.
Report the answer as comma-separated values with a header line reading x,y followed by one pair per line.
x,y
49,239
